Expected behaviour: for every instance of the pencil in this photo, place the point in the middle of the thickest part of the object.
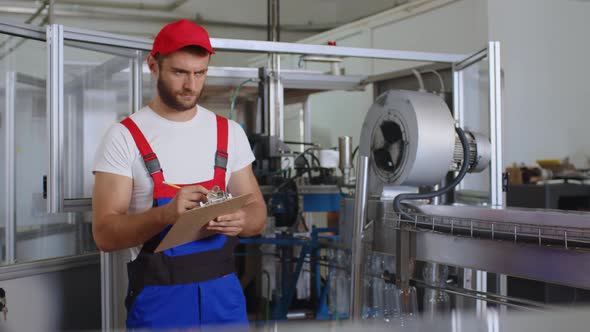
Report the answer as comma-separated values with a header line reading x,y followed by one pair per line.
x,y
172,185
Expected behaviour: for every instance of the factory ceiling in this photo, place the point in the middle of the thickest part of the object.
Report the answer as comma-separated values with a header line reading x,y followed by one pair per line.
x,y
298,18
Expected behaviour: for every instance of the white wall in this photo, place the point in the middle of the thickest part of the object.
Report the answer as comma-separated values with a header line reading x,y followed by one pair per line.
x,y
545,47
448,26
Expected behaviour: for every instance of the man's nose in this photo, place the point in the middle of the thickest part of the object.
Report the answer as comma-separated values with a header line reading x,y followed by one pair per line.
x,y
190,82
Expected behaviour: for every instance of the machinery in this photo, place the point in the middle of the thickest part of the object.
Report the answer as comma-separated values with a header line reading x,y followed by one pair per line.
x,y
409,144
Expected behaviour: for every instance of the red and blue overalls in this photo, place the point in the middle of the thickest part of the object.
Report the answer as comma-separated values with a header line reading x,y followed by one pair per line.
x,y
190,285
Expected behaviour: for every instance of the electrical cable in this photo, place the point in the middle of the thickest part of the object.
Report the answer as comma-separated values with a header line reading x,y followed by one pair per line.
x,y
462,172
313,157
307,165
440,79
354,154
235,95
420,81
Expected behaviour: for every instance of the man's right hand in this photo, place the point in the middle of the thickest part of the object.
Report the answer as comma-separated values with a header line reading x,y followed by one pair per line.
x,y
187,198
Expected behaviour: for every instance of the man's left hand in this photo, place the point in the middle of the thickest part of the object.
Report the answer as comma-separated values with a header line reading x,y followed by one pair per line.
x,y
229,224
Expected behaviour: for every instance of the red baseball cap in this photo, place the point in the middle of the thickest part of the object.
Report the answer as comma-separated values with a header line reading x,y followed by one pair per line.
x,y
179,34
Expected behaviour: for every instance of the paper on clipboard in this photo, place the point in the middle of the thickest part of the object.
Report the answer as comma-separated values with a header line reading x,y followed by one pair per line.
x,y
189,226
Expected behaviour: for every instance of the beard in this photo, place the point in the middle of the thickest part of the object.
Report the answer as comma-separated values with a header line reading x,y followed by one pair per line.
x,y
174,100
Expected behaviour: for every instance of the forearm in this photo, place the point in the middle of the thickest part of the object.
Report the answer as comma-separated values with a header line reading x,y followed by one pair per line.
x,y
120,231
255,218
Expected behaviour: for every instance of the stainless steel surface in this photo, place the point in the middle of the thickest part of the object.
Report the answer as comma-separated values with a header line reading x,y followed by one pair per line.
x,y
426,145
541,263
9,168
495,76
345,157
526,217
533,244
55,107
516,232
357,237
45,266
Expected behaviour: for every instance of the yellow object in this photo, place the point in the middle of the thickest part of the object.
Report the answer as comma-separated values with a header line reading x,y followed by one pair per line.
x,y
549,162
172,185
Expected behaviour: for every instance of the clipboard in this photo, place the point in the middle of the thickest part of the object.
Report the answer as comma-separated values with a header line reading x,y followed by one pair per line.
x,y
189,226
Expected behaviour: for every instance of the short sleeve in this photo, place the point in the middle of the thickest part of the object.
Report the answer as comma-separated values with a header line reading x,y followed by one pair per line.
x,y
116,152
240,151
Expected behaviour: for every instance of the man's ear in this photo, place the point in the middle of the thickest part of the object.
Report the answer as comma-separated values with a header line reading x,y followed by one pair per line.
x,y
153,65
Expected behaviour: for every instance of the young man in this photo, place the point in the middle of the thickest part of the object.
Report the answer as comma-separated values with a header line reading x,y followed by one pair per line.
x,y
173,140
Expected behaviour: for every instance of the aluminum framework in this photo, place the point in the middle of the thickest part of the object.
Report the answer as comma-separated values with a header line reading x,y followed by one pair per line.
x,y
58,35
9,169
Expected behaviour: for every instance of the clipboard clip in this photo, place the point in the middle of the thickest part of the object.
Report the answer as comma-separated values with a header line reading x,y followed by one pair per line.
x,y
216,195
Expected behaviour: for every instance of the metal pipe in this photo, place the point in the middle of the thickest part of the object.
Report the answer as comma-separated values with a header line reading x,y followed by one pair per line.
x,y
55,108
9,169
345,154
360,206
306,120
480,297
51,12
141,6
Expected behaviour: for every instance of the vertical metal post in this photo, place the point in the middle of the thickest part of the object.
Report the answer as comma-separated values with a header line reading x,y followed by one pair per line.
x,y
274,86
274,94
136,81
9,169
106,300
51,12
55,107
497,195
458,97
360,206
459,103
481,285
307,120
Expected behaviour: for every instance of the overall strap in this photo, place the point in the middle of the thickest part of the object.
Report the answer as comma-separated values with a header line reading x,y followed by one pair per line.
x,y
149,157
221,152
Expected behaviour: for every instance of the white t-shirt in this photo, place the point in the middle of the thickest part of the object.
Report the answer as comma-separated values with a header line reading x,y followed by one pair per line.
x,y
185,150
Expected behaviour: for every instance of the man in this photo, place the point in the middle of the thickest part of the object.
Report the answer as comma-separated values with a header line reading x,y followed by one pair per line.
x,y
173,140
